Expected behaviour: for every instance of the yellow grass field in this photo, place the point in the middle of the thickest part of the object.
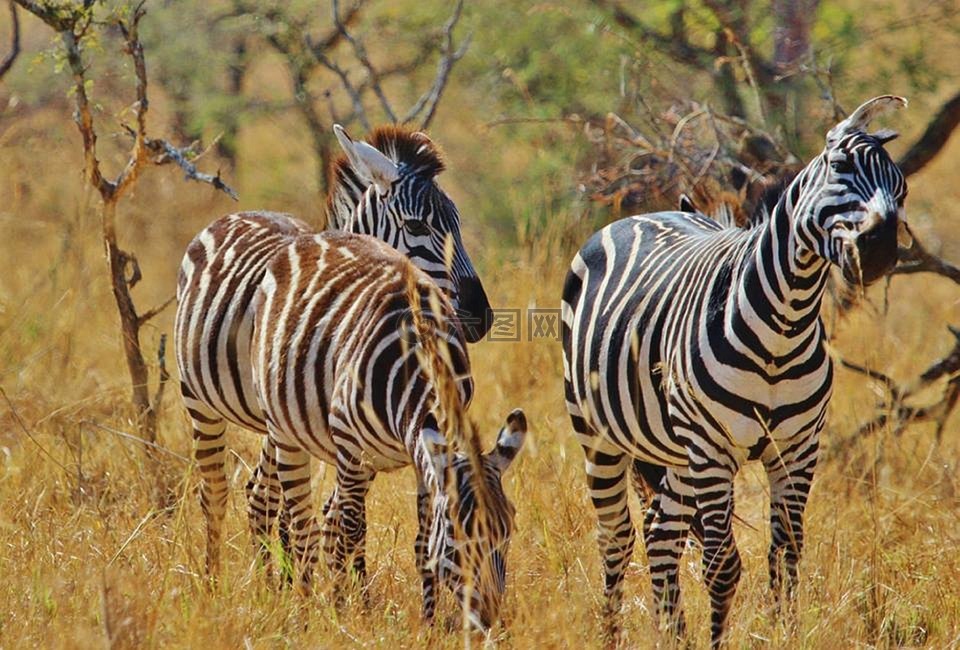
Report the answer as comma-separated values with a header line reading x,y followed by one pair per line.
x,y
88,559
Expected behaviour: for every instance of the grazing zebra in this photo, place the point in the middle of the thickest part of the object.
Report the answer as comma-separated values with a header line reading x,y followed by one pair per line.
x,y
339,379
690,348
385,189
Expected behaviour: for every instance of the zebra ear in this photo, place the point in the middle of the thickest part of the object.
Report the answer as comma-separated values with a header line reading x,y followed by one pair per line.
x,y
368,161
510,440
860,119
686,204
438,451
885,135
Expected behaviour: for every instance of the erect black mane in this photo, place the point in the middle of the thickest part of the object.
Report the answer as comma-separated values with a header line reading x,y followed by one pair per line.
x,y
769,197
413,151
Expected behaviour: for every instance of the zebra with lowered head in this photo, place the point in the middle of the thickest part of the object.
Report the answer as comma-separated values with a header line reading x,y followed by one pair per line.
x,y
341,377
691,348
385,188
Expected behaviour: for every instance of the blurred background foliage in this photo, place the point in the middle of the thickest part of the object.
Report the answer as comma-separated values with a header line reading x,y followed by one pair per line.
x,y
216,76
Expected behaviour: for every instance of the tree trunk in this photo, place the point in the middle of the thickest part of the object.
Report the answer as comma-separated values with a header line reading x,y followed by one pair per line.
x,y
118,260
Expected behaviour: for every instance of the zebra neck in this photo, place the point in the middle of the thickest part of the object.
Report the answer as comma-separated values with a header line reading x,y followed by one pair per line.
x,y
780,287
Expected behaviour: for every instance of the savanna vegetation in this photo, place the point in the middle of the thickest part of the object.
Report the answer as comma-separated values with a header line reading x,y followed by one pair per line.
x,y
556,117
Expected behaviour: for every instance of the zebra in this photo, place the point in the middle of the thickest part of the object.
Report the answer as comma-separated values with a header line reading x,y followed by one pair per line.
x,y
691,348
340,380
385,188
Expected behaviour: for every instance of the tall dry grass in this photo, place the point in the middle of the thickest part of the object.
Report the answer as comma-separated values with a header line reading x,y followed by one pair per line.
x,y
88,559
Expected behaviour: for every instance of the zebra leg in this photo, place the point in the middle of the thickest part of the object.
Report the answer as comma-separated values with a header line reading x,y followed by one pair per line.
x,y
428,573
607,483
264,502
353,482
665,532
790,474
210,453
712,481
332,546
293,468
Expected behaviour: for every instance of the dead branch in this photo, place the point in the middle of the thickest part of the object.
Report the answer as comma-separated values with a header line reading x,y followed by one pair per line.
x,y
675,44
132,438
26,431
448,58
72,22
917,259
167,153
14,52
361,53
162,370
151,313
896,412
934,137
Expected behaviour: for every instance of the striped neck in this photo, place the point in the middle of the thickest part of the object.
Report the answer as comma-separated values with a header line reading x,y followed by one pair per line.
x,y
781,283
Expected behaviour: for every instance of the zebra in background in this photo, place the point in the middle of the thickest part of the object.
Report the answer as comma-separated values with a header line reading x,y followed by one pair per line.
x,y
690,349
339,379
385,188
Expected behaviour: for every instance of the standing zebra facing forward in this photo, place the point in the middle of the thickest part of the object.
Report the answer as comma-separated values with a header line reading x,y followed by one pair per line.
x,y
340,379
385,189
690,349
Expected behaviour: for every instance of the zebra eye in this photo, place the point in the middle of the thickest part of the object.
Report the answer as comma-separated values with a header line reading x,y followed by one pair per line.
x,y
416,227
836,166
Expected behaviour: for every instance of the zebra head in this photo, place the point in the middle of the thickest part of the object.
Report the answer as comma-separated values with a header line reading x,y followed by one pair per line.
x,y
855,213
473,521
387,188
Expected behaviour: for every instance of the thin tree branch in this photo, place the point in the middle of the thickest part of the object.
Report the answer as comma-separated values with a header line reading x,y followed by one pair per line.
x,y
167,153
449,57
14,52
330,64
26,432
164,375
674,45
361,53
917,259
133,438
156,310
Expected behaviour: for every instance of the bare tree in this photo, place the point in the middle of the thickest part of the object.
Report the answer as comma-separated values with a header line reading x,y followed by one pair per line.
x,y
306,56
74,22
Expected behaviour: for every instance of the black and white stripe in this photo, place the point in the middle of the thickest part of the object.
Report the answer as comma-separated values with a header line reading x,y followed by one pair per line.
x,y
340,378
691,348
224,265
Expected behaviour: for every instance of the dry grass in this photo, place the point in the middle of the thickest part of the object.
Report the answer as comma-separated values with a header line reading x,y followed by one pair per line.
x,y
88,561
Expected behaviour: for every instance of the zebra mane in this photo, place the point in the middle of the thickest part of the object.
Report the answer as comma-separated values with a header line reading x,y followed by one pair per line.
x,y
412,151
740,210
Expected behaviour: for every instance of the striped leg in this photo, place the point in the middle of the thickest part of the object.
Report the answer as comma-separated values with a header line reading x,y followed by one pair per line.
x,y
713,484
210,453
331,532
293,468
428,573
665,532
264,502
607,483
353,482
790,473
